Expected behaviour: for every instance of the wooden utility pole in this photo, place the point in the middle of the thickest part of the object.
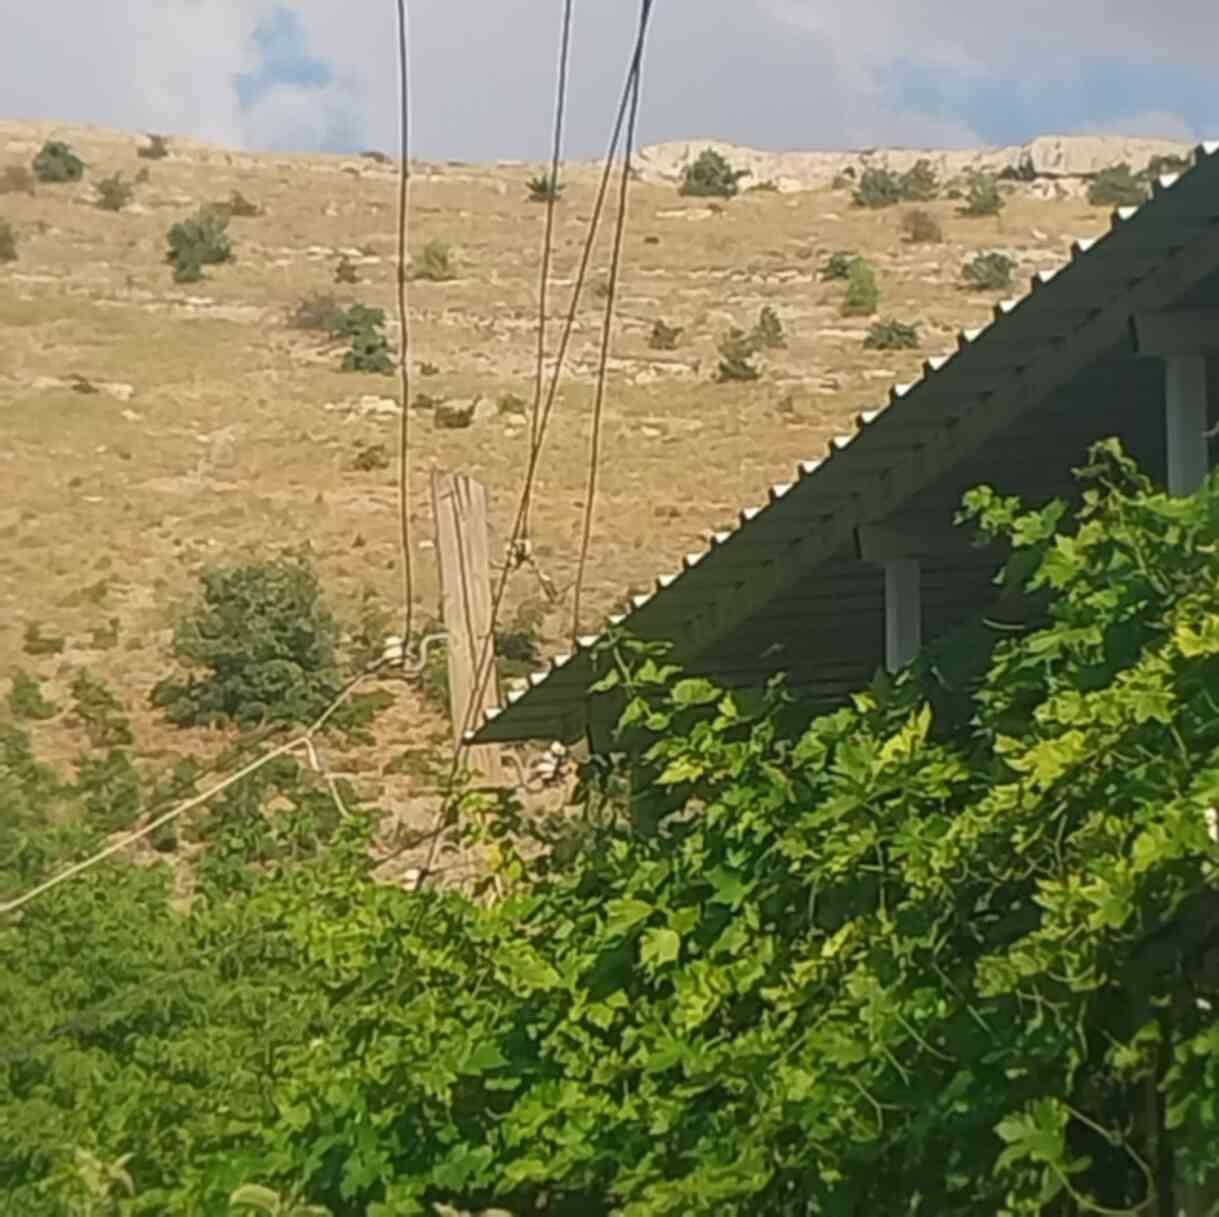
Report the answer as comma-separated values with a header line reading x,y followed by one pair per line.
x,y
460,507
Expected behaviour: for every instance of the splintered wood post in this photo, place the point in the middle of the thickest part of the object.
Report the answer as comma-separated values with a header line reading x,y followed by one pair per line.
x,y
460,507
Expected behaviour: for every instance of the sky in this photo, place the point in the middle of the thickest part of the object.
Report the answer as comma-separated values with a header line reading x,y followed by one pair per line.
x,y
304,75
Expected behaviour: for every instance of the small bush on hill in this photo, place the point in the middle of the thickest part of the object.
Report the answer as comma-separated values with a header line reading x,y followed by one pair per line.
x,y
989,272
317,311
877,188
370,352
766,186
8,242
542,189
238,207
836,266
156,149
113,193
99,712
196,242
862,295
16,179
982,197
919,184
711,176
767,334
736,349
921,228
34,642
373,155
1116,186
434,263
664,337
1161,166
345,271
25,699
56,162
427,368
258,644
371,458
891,336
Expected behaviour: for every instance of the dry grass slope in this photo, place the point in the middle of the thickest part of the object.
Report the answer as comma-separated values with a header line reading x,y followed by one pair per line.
x,y
220,432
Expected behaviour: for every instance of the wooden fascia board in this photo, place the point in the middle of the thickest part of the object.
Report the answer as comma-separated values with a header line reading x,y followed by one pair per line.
x,y
1176,332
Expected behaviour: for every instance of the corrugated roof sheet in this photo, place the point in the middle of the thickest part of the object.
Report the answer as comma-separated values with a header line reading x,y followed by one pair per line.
x,y
989,361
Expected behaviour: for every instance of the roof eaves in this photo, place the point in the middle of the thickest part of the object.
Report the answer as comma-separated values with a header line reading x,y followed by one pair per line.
x,y
938,372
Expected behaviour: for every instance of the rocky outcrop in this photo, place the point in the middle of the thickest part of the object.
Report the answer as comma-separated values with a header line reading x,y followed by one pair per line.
x,y
1069,160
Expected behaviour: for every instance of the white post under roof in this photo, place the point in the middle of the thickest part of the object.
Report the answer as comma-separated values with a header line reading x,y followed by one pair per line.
x,y
903,612
1185,417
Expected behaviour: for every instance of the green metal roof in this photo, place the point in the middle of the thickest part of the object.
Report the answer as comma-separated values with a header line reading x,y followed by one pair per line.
x,y
786,587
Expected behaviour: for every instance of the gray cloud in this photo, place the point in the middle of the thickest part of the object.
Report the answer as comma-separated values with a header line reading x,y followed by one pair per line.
x,y
774,73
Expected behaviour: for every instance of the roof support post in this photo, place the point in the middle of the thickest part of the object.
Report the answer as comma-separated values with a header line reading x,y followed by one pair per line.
x,y
903,612
1185,409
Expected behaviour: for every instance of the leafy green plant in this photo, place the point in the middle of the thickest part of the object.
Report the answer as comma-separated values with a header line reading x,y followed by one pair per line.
x,y
16,179
711,176
891,335
267,1200
836,266
8,242
25,699
371,458
199,241
113,193
736,350
877,188
991,271
319,311
97,710
542,189
982,197
862,294
920,183
435,263
345,271
156,149
767,333
369,352
56,162
258,644
921,228
1117,186
664,337
237,206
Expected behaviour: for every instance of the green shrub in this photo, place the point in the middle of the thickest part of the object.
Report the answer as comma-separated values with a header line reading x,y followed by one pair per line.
x,y
664,337
108,787
836,266
921,228
16,179
982,197
1161,166
237,206
1117,186
8,242
891,336
877,188
25,699
56,162
113,193
767,333
371,458
434,263
711,176
919,184
99,712
862,295
258,644
373,155
198,241
767,186
736,349
427,368
156,149
345,271
318,311
512,403
370,352
542,189
988,272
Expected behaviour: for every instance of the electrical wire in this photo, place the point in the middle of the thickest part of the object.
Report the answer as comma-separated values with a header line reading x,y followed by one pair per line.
x,y
594,458
404,344
552,199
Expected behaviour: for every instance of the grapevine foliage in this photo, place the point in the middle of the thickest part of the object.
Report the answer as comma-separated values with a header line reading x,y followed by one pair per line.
x,y
953,942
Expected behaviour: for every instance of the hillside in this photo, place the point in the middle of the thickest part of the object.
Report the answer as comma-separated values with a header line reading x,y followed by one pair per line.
x,y
150,428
